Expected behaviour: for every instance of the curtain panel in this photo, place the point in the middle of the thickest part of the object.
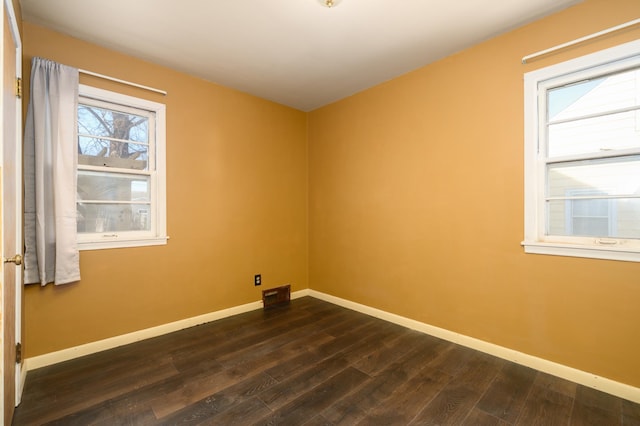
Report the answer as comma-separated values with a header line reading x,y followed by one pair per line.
x,y
50,156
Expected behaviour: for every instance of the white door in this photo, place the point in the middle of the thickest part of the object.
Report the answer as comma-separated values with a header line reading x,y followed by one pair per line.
x,y
11,211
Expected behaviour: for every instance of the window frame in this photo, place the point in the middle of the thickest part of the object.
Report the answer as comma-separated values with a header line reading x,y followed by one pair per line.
x,y
626,55
158,233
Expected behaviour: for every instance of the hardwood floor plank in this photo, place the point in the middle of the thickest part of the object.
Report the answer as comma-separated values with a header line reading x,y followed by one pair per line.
x,y
478,417
377,360
107,415
214,406
281,355
245,413
355,406
595,398
409,398
263,331
453,359
450,407
318,420
556,384
630,413
258,350
66,401
137,398
348,323
593,407
317,399
296,385
545,407
479,371
507,394
584,415
203,385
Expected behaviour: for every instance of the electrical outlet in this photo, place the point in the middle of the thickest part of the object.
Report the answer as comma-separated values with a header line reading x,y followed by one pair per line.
x,y
257,279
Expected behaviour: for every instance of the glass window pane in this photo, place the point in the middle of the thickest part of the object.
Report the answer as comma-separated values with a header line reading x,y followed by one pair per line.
x,y
613,218
100,186
113,217
590,207
594,96
96,121
615,176
107,153
597,134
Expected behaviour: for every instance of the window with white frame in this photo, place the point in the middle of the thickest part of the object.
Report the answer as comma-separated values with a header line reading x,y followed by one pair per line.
x,y
582,156
121,170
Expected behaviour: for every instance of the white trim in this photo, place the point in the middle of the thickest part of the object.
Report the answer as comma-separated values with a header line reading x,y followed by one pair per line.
x,y
557,249
121,243
578,376
136,336
582,377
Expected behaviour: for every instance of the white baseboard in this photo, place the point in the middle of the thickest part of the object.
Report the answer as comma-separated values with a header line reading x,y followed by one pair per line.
x,y
559,370
587,379
124,339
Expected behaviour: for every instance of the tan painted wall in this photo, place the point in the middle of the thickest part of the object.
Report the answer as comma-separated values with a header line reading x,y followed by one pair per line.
x,y
416,206
237,206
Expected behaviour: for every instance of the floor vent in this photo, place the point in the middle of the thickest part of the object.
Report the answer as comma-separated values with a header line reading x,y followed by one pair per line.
x,y
276,296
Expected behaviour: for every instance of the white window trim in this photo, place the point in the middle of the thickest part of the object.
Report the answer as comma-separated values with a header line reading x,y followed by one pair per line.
x,y
158,196
534,179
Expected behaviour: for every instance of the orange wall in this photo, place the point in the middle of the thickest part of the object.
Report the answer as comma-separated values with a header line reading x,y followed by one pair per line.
x,y
416,206
236,201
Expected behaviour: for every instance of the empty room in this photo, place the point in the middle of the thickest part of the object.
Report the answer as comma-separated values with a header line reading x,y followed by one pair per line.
x,y
321,212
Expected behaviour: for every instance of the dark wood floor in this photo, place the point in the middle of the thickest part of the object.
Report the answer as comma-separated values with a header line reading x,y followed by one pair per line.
x,y
309,363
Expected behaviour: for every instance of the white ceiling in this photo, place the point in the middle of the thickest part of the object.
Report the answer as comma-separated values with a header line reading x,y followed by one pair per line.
x,y
295,52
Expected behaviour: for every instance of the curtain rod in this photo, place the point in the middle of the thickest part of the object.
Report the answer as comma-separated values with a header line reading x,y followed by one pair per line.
x,y
128,83
580,40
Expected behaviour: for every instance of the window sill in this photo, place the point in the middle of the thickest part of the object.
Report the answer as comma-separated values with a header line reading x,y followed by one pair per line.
x,y
591,252
115,243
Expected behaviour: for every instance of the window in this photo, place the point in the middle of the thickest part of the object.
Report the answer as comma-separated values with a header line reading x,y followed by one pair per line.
x,y
121,170
588,216
582,156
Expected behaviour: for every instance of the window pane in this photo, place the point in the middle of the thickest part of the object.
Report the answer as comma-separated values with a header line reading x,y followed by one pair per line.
x,y
590,226
615,218
97,121
594,96
615,176
100,186
113,217
597,134
590,207
107,153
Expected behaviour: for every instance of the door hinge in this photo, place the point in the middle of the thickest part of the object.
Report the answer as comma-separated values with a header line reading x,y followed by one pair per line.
x,y
18,353
19,88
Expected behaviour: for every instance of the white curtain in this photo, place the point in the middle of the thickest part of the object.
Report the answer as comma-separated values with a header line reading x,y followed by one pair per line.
x,y
50,155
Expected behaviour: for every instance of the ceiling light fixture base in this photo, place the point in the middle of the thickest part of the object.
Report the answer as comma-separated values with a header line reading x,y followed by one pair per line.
x,y
330,3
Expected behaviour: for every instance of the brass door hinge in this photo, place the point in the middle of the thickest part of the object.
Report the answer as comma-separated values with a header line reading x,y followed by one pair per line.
x,y
19,88
18,353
